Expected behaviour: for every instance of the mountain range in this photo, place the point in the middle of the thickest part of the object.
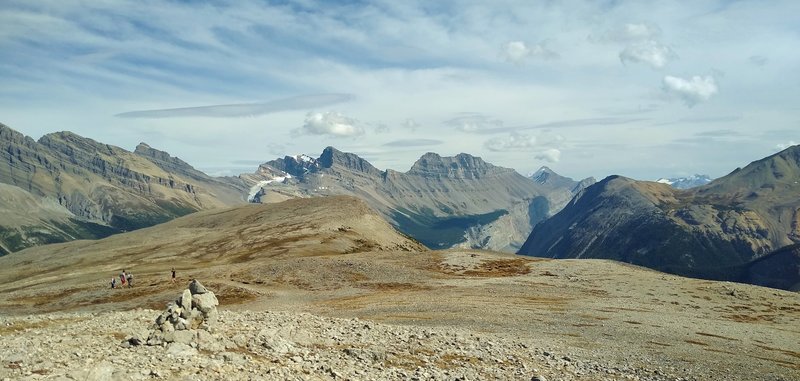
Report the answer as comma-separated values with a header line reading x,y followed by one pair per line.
x,y
65,187
686,182
727,229
740,227
441,201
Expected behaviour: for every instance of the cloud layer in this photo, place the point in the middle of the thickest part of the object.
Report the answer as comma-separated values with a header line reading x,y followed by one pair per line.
x,y
518,51
693,90
243,109
331,124
414,143
544,146
273,77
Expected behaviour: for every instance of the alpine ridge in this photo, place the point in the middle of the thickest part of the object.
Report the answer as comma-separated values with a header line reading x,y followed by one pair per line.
x,y
441,201
96,189
713,231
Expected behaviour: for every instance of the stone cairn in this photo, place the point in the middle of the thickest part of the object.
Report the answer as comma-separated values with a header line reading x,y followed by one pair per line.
x,y
187,320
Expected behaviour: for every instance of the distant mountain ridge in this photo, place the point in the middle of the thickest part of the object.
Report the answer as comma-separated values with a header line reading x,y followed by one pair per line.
x,y
80,188
93,189
441,201
711,231
686,182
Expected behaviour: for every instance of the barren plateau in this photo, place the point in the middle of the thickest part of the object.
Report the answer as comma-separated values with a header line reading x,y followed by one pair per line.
x,y
314,273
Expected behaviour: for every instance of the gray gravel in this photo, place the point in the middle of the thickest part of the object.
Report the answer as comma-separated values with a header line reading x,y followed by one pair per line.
x,y
282,346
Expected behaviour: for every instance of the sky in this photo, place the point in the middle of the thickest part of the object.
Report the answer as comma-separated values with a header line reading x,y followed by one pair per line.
x,y
588,88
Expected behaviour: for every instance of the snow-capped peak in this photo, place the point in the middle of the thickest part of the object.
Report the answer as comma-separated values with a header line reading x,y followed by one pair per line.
x,y
665,181
686,182
540,171
304,158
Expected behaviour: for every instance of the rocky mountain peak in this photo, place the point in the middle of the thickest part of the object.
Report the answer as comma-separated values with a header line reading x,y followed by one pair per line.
x,y
549,178
332,157
778,174
68,143
296,166
12,136
545,175
162,158
462,165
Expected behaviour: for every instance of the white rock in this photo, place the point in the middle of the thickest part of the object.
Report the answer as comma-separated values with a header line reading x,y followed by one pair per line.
x,y
205,302
186,300
181,350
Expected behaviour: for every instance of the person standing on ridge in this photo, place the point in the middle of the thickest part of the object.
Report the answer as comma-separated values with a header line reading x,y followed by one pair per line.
x,y
129,278
113,282
122,277
173,275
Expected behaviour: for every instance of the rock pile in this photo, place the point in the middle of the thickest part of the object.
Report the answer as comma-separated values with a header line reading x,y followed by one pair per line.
x,y
188,320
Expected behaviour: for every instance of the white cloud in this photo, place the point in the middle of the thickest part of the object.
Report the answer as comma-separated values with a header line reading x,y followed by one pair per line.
x,y
517,51
643,44
551,155
330,123
692,91
85,61
411,124
303,102
513,142
474,123
635,33
544,146
649,52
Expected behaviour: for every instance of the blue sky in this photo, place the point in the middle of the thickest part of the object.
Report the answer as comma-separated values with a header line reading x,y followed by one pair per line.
x,y
641,89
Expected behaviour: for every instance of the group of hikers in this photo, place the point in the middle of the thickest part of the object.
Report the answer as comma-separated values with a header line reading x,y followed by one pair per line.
x,y
126,278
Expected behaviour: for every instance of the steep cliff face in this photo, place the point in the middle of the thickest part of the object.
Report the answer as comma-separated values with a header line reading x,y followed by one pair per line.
x,y
105,188
441,201
29,220
710,231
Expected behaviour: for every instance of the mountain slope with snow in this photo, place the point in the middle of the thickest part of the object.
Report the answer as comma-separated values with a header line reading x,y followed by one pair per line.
x,y
686,182
441,201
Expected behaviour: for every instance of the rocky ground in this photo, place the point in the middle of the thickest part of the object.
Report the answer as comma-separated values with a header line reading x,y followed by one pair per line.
x,y
288,346
327,290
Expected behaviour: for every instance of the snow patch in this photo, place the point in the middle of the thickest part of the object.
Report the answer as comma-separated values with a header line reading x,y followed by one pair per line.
x,y
256,188
304,158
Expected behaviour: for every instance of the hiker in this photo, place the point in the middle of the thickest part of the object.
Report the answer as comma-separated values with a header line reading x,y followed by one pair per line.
x,y
122,277
173,275
113,282
130,279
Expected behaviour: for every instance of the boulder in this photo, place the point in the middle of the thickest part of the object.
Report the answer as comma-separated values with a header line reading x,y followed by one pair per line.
x,y
183,337
196,288
181,350
186,300
205,302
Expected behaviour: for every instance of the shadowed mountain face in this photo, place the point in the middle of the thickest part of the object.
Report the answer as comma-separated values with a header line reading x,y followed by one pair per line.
x,y
441,201
779,269
75,188
711,231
